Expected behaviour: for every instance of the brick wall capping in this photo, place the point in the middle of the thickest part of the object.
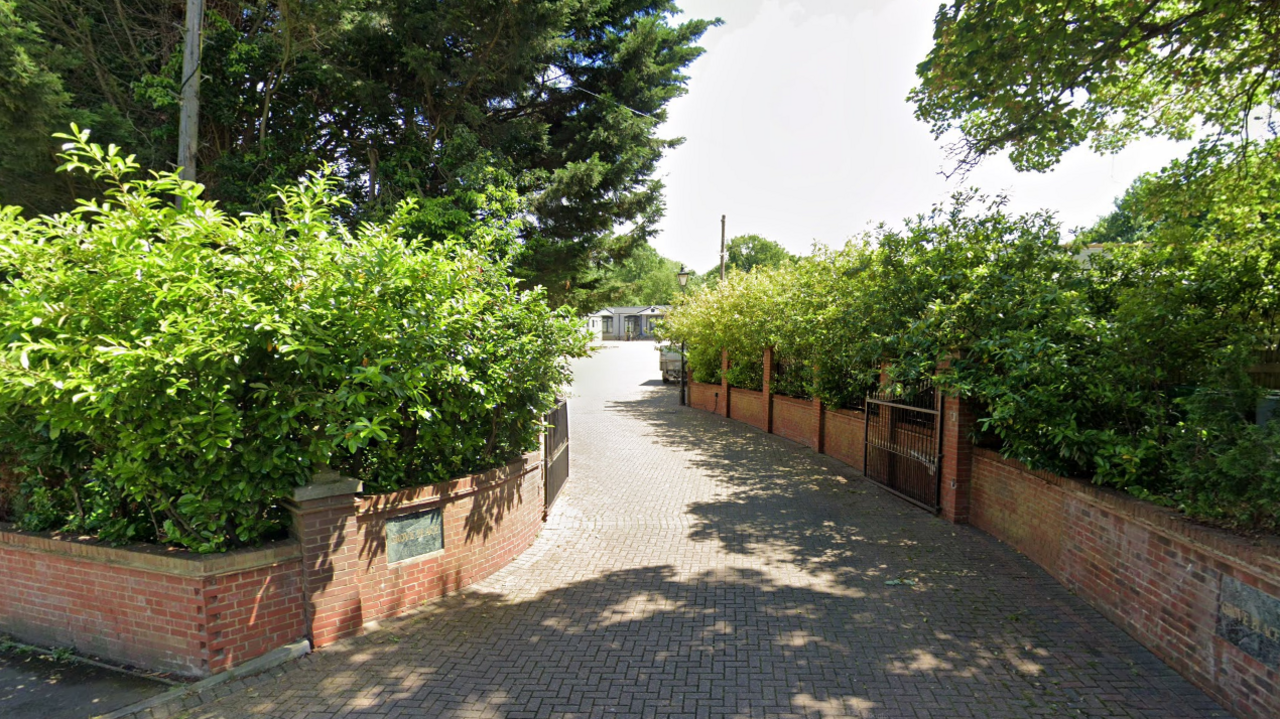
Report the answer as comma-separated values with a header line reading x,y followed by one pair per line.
x,y
150,557
1260,553
855,413
440,492
789,400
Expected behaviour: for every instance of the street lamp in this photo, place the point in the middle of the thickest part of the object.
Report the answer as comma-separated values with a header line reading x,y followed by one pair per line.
x,y
683,276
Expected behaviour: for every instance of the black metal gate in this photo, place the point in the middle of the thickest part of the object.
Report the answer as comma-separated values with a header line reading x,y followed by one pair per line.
x,y
903,445
555,451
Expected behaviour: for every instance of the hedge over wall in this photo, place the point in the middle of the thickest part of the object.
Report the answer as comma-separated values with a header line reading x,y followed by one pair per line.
x,y
170,373
1127,364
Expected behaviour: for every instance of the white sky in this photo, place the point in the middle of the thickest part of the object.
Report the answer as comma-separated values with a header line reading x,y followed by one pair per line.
x,y
797,128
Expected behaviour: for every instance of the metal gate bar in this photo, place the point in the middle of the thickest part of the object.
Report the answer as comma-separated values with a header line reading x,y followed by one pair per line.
x,y
555,456
902,447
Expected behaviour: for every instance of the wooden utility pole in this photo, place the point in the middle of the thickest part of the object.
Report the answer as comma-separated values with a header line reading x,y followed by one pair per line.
x,y
189,118
722,255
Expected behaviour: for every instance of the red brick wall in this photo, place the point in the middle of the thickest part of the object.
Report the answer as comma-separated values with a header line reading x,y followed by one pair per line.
x,y
488,520
704,396
795,419
168,611
102,610
193,615
327,530
747,406
1149,571
843,436
252,612
957,459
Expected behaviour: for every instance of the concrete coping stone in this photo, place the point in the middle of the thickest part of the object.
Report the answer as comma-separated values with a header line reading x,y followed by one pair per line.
x,y
326,489
148,557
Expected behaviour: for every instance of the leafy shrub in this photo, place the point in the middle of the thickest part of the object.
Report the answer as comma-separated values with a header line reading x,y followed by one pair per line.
x,y
8,490
171,373
1015,320
1086,367
746,371
1226,466
792,379
704,363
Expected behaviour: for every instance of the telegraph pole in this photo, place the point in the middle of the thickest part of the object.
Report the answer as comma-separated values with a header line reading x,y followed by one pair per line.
x,y
722,248
189,117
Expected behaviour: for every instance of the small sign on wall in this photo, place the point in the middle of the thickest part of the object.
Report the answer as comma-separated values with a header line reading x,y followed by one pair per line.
x,y
1250,619
414,535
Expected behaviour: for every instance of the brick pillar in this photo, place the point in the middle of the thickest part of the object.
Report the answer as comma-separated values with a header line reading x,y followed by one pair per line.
x,y
724,382
324,522
957,459
767,392
820,417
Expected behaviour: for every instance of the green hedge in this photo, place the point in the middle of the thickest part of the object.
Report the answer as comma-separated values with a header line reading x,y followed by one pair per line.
x,y
1113,366
170,374
792,379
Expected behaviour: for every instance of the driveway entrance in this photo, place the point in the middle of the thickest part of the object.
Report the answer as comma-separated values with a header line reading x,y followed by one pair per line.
x,y
693,567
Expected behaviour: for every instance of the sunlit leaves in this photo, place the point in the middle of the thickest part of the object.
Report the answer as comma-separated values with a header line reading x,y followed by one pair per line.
x,y
1106,366
171,373
1035,79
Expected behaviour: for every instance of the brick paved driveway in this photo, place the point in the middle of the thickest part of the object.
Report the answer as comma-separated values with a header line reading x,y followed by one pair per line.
x,y
697,568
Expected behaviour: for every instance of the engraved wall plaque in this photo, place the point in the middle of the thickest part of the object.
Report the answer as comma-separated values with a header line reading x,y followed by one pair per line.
x,y
414,535
1250,619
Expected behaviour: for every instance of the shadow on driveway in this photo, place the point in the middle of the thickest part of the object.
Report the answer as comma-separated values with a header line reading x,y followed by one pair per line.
x,y
35,686
797,593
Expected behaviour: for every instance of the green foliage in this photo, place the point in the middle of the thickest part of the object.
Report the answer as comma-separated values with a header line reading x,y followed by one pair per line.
x,y
792,379
1227,467
170,374
1102,367
704,363
1127,223
31,103
747,252
1038,78
8,489
732,316
643,278
745,371
403,99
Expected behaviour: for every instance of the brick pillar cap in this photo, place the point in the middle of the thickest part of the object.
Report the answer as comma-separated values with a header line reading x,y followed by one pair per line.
x,y
329,488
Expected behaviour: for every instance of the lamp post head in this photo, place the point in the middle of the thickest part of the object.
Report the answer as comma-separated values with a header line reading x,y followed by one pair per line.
x,y
683,276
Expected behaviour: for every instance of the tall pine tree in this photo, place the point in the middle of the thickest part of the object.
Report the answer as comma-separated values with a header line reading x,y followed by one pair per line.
x,y
559,100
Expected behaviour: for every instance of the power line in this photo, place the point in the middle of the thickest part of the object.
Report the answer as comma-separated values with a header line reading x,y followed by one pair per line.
x,y
610,99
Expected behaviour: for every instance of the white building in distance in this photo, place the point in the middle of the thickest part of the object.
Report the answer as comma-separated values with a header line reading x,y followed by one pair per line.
x,y
625,323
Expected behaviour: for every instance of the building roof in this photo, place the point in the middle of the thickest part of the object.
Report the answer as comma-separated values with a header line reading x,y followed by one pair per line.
x,y
649,310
